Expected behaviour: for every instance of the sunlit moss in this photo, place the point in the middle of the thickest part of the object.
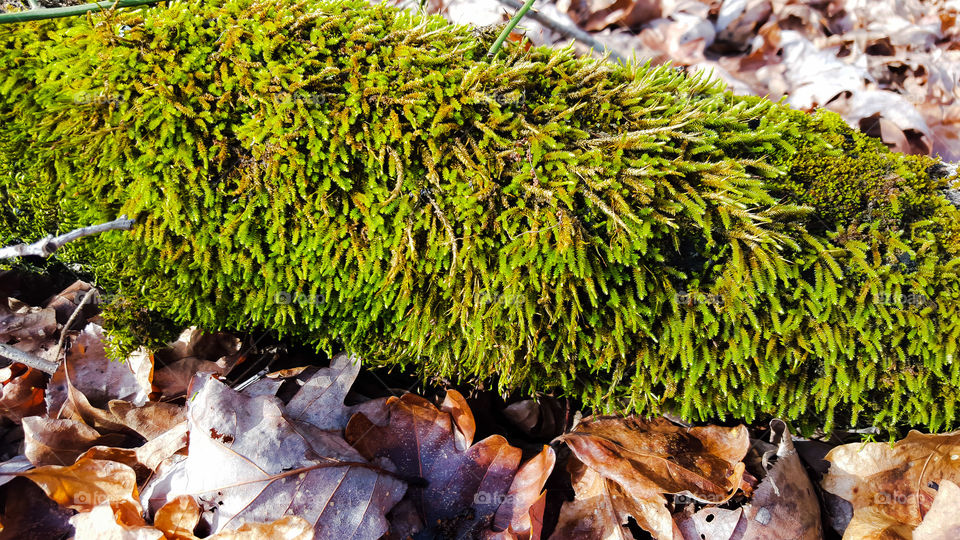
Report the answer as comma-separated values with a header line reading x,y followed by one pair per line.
x,y
358,176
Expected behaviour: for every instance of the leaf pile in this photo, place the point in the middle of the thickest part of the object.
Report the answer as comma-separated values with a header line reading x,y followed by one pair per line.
x,y
111,450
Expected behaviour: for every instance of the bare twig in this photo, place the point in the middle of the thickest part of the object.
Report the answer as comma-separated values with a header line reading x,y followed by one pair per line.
x,y
46,246
73,317
568,30
16,355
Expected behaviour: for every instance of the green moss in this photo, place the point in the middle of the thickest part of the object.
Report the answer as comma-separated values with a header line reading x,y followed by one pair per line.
x,y
362,177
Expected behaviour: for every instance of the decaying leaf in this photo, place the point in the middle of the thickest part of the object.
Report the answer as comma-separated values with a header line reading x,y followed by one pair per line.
x,y
623,467
113,521
892,488
247,462
783,506
194,352
464,488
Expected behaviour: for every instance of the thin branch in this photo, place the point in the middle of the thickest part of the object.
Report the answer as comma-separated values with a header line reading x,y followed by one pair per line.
x,y
36,14
16,355
46,246
564,29
73,317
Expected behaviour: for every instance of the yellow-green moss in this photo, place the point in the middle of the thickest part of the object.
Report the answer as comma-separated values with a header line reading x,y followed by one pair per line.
x,y
362,177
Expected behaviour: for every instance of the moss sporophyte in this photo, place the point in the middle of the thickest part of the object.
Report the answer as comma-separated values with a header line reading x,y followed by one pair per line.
x,y
534,218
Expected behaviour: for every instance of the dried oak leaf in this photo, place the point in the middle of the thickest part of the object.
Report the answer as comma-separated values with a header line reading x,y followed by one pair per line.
x,y
783,506
464,484
194,352
247,462
319,402
892,488
623,466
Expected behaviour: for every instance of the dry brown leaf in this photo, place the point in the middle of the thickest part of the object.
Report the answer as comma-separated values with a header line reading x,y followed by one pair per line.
x,y
87,483
783,506
194,352
319,402
247,462
942,522
625,465
178,518
891,488
285,528
151,420
22,393
522,509
464,489
113,521
50,441
93,374
20,323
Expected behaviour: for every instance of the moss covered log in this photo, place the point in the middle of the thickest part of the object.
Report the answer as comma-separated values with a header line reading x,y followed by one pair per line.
x,y
362,177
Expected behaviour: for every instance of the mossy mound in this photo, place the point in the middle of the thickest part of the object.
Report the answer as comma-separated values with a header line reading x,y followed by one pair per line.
x,y
362,177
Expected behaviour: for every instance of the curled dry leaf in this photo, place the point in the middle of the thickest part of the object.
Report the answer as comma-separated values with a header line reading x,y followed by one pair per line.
x,y
194,352
892,488
22,392
463,488
521,514
623,466
783,506
247,462
97,377
24,325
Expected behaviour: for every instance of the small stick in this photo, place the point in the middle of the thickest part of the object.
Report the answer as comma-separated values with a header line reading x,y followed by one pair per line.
x,y
73,317
46,246
566,30
16,355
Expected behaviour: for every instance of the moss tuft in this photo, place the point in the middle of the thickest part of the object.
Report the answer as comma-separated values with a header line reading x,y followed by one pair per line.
x,y
358,176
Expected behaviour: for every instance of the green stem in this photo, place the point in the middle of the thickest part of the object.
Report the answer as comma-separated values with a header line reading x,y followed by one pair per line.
x,y
509,28
68,11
